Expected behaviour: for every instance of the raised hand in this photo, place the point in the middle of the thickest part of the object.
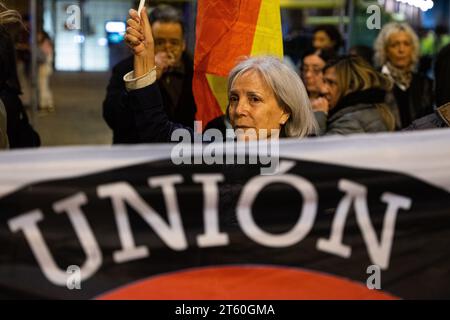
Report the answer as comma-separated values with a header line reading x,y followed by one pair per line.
x,y
320,104
140,39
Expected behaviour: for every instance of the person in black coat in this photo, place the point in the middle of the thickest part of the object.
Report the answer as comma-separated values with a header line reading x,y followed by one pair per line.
x,y
441,117
19,131
175,72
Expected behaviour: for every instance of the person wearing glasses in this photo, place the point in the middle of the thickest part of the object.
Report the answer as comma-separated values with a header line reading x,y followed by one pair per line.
x,y
311,72
174,70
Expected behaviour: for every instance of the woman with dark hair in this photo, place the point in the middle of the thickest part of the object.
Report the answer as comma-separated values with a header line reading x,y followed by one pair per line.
x,y
311,70
327,37
19,131
355,93
441,117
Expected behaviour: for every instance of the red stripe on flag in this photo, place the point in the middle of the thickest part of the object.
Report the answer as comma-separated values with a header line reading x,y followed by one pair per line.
x,y
225,32
207,106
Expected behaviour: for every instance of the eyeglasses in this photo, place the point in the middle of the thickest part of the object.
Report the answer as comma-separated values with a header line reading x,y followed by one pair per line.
x,y
314,70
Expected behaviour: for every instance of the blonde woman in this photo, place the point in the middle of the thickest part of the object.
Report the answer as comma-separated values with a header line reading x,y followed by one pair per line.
x,y
397,55
355,93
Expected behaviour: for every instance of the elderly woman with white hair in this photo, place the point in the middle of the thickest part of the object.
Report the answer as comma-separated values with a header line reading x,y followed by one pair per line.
x,y
397,54
266,97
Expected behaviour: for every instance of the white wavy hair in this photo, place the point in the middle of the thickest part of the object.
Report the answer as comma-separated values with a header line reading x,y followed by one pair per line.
x,y
288,89
382,40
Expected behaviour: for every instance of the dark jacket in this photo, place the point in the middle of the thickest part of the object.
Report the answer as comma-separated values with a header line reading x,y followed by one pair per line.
x,y
3,135
20,132
416,102
355,113
118,116
149,116
438,119
150,119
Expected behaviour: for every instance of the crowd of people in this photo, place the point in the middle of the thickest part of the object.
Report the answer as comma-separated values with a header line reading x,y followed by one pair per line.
x,y
346,94
389,80
331,92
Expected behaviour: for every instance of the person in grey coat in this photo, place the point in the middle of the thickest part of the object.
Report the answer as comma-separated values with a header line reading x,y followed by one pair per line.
x,y
353,98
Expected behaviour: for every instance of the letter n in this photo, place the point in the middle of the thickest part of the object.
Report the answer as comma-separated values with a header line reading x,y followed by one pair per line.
x,y
356,194
172,234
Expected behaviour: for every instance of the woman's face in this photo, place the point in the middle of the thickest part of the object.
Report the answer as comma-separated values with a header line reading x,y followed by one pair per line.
x,y
322,40
330,88
252,105
312,73
400,50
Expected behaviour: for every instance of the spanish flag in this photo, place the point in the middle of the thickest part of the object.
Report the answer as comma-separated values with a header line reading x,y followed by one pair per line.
x,y
228,30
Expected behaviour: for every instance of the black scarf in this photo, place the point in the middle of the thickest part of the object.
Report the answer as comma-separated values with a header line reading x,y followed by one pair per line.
x,y
369,96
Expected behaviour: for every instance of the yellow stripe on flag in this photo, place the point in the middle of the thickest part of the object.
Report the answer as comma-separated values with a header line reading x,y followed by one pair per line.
x,y
268,40
218,87
268,36
254,35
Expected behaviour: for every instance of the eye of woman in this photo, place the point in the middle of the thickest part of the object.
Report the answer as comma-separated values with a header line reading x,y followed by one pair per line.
x,y
254,98
233,98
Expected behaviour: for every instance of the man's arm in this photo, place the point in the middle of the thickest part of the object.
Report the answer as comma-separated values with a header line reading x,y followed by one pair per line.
x,y
151,121
113,110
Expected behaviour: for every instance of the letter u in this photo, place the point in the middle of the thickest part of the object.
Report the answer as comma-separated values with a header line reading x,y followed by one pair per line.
x,y
28,224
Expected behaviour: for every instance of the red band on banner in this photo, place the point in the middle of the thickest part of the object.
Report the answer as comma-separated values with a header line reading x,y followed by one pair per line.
x,y
246,283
